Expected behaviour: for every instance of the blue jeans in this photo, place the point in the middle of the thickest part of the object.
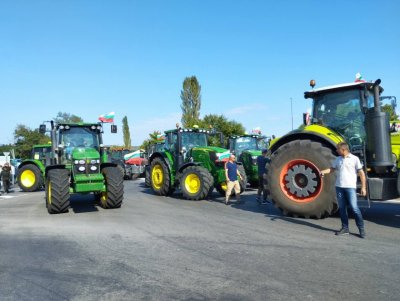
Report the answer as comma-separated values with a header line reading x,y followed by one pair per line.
x,y
348,197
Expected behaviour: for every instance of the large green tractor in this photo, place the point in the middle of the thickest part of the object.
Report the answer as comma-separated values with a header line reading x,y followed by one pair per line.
x,y
188,163
247,148
348,112
79,164
30,174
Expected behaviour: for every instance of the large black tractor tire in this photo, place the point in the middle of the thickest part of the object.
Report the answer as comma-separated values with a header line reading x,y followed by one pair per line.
x,y
57,191
160,178
147,182
221,187
196,183
113,196
293,183
30,178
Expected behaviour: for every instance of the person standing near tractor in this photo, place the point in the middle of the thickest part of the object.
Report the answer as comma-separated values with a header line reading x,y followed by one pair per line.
x,y
5,176
232,173
262,160
348,166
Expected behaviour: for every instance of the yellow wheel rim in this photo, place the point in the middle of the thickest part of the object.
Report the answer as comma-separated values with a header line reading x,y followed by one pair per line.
x,y
49,193
224,186
192,183
157,176
28,178
103,197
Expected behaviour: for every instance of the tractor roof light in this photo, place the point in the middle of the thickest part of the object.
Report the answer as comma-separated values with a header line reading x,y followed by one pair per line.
x,y
61,127
67,127
93,127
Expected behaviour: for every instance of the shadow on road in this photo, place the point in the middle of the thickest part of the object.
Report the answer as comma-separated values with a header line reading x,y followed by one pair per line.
x,y
81,203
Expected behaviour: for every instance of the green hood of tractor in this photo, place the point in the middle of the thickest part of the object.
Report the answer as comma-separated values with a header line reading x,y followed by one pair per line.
x,y
85,153
221,153
252,152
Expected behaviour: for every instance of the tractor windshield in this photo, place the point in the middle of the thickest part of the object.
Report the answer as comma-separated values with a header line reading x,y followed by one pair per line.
x,y
341,112
246,143
192,139
78,137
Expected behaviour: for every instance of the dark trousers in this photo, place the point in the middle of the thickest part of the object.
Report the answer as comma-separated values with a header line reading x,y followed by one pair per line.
x,y
261,188
6,185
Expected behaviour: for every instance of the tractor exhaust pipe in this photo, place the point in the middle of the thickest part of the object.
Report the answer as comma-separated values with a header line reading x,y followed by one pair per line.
x,y
377,105
378,148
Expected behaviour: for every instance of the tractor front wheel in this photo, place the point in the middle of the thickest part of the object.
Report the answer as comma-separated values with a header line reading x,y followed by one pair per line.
x,y
114,194
293,182
160,177
57,191
196,183
29,178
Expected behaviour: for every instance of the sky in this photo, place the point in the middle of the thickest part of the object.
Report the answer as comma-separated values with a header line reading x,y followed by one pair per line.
x,y
253,59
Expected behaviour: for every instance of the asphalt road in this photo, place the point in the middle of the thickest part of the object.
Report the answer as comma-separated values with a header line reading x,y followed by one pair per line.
x,y
167,248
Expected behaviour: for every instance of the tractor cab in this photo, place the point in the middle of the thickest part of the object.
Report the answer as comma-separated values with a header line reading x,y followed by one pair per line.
x,y
247,148
42,153
79,141
238,144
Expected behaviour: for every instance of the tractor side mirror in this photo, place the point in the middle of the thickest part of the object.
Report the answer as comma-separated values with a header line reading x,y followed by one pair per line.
x,y
42,129
113,128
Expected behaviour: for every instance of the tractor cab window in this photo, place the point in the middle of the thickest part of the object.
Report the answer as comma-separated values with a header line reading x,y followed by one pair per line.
x,y
78,137
245,143
341,112
193,139
262,144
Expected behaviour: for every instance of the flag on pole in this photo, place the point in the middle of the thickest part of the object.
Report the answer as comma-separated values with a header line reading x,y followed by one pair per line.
x,y
108,118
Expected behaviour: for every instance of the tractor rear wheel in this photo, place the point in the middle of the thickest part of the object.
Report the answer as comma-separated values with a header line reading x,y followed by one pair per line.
x,y
196,183
147,182
57,191
114,194
160,177
221,187
293,182
30,178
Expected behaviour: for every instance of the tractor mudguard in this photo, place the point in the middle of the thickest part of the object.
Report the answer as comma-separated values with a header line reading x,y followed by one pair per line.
x,y
38,163
313,132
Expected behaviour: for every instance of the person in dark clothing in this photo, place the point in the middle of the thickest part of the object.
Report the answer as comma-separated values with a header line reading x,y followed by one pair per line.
x,y
262,160
6,177
232,173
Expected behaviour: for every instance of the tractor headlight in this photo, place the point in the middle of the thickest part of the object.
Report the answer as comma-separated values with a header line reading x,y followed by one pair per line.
x,y
81,168
76,162
94,161
82,162
93,168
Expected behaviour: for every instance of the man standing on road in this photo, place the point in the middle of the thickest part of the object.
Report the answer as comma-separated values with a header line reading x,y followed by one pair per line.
x,y
6,176
348,166
262,160
232,173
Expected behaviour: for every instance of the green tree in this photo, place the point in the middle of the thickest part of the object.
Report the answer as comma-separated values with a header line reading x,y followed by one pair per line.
x,y
221,124
63,117
191,101
25,138
392,113
126,133
153,138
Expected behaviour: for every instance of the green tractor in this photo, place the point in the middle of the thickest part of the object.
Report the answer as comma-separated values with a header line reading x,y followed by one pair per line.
x,y
188,163
348,112
30,172
79,164
247,148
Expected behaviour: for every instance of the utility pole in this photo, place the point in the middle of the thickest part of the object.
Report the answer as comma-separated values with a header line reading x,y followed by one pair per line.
x,y
291,110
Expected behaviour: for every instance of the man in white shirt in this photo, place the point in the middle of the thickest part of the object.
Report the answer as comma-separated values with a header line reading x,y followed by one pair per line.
x,y
348,166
